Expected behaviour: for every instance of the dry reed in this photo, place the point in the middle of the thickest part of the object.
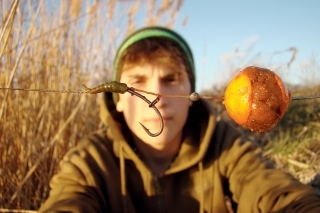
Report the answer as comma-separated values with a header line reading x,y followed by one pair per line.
x,y
55,45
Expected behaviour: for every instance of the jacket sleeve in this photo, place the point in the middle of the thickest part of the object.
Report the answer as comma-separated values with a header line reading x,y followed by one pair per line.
x,y
257,187
78,186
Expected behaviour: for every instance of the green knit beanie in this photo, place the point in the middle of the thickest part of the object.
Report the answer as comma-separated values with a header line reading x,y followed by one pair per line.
x,y
152,32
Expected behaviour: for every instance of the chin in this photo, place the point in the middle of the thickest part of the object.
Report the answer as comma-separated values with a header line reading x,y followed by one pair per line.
x,y
164,138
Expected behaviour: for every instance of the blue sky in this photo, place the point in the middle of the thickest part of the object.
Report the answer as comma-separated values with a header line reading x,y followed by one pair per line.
x,y
215,29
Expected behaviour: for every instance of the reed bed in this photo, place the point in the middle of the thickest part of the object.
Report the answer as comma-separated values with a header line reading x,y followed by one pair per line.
x,y
56,45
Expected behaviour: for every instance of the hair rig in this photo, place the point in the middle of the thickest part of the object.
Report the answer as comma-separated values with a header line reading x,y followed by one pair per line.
x,y
234,99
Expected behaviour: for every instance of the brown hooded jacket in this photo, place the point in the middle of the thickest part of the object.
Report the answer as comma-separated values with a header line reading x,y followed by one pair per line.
x,y
214,171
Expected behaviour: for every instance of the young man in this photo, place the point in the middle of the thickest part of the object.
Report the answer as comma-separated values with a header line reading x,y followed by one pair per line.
x,y
195,165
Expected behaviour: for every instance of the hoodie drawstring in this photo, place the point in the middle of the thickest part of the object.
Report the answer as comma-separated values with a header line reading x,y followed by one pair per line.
x,y
200,165
123,179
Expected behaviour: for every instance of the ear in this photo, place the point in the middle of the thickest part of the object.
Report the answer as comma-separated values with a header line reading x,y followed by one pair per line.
x,y
119,105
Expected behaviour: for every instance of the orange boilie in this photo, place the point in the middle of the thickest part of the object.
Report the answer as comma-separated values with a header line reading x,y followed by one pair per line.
x,y
256,98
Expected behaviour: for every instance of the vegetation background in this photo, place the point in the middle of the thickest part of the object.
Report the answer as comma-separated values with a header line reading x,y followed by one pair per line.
x,y
60,45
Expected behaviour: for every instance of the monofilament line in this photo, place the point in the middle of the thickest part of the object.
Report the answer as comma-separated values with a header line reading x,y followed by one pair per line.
x,y
193,96
43,90
305,97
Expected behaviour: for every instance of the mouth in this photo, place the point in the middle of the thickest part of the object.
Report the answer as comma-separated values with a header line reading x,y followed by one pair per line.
x,y
157,120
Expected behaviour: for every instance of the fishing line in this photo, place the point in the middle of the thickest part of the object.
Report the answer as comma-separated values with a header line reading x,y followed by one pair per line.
x,y
193,96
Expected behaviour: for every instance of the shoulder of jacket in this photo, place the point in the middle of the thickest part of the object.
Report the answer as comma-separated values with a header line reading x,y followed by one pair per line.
x,y
97,139
224,136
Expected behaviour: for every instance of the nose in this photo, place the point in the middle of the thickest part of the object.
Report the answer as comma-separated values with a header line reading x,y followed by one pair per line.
x,y
158,87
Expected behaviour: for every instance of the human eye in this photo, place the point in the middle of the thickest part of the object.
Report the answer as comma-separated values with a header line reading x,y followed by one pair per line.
x,y
172,79
137,80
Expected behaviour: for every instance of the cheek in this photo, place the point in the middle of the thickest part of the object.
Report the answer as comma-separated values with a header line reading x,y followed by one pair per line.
x,y
186,90
128,105
119,106
182,108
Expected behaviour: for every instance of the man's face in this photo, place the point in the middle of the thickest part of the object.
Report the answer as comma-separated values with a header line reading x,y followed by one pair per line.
x,y
174,111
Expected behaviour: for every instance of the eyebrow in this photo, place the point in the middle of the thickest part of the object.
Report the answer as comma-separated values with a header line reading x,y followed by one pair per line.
x,y
166,75
136,75
171,75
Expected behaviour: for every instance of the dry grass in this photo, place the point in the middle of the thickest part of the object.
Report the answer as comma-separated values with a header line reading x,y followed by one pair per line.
x,y
294,144
60,46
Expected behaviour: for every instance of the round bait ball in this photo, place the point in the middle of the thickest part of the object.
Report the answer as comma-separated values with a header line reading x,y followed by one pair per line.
x,y
256,98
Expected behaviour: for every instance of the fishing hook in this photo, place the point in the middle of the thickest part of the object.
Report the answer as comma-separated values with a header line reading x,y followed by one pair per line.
x,y
118,87
151,105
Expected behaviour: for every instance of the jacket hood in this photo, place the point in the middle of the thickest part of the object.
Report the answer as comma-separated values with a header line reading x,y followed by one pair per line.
x,y
197,134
